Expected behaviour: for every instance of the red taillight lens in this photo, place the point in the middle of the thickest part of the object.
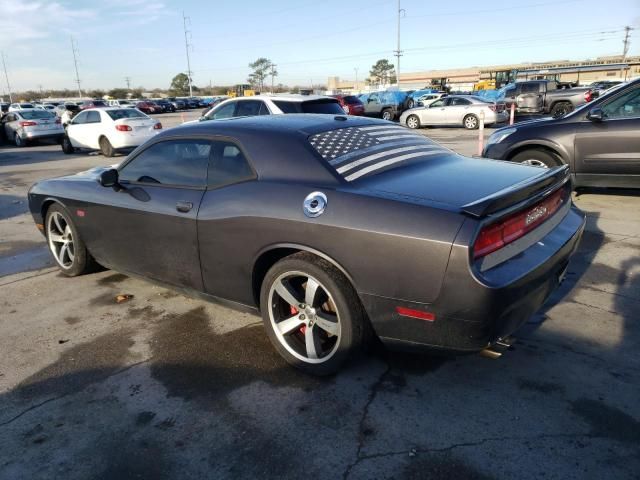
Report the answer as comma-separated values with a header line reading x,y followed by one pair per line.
x,y
28,124
588,96
157,126
495,236
123,128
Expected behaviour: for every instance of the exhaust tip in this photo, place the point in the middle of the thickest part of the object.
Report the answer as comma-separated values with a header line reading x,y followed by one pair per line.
x,y
489,353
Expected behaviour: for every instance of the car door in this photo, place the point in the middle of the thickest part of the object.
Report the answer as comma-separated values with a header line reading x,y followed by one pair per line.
x,y
230,179
435,113
148,226
77,130
611,146
456,110
373,107
8,126
93,128
531,97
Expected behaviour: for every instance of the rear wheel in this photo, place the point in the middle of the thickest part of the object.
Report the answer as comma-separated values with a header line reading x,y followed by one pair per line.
x,y
560,109
536,158
413,121
65,244
386,114
470,122
66,145
18,140
411,103
106,148
312,314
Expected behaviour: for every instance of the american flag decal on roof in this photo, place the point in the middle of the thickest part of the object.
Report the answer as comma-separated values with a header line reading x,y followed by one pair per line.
x,y
355,152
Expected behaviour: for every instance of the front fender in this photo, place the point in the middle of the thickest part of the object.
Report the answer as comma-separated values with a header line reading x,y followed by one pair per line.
x,y
535,143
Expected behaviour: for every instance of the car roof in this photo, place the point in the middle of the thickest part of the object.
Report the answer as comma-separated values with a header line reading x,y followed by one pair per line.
x,y
292,97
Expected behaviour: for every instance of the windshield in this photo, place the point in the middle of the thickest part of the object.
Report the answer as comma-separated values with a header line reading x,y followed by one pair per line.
x,y
125,113
36,114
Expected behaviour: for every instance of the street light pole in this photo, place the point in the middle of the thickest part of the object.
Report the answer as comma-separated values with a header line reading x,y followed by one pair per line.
x,y
398,53
6,76
356,85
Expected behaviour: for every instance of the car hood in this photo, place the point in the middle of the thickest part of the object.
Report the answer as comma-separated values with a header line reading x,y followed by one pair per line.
x,y
91,174
448,181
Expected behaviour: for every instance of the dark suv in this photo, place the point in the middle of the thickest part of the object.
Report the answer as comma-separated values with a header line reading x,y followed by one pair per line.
x,y
600,141
387,105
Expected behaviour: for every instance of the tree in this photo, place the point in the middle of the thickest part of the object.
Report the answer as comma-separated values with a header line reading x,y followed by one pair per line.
x,y
180,85
118,93
383,72
261,68
95,93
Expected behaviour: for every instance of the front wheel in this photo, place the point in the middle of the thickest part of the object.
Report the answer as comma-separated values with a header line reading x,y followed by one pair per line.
x,y
413,121
470,122
312,314
387,115
411,103
67,147
106,148
536,158
561,109
65,244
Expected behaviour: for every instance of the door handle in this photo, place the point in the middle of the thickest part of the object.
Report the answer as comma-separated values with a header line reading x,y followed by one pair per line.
x,y
184,207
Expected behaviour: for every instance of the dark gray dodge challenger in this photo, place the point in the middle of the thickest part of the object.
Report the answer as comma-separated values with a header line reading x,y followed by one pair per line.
x,y
330,226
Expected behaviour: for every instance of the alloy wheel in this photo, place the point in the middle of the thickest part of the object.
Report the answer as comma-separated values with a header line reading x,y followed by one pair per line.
x,y
470,122
386,115
535,163
304,317
60,239
412,121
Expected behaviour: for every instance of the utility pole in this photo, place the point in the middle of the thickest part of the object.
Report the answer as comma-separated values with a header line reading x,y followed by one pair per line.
x,y
625,50
128,82
75,62
273,73
6,76
356,85
398,53
186,46
41,94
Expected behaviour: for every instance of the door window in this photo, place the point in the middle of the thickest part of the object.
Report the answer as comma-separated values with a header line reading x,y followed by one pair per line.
x,y
174,162
264,110
248,108
93,117
80,118
459,101
437,103
228,165
530,88
625,106
225,111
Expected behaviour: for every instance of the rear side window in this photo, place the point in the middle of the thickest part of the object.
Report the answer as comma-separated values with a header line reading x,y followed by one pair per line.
x,y
352,100
311,106
174,162
459,101
125,113
93,117
248,108
228,165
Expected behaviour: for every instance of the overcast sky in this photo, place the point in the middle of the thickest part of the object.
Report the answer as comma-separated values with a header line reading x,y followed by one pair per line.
x,y
308,40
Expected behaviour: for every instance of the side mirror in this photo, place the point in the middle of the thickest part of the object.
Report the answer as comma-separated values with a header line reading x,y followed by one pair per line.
x,y
420,104
109,178
596,114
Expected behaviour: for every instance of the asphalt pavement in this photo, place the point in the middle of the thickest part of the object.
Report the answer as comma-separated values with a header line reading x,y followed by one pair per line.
x,y
163,386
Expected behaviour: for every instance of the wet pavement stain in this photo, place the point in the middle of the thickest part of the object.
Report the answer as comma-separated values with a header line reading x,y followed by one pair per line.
x,y
608,421
112,279
539,387
79,367
72,320
142,460
440,467
191,361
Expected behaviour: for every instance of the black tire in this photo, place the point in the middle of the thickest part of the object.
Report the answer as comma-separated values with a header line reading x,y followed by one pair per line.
x,y
82,261
19,142
66,145
386,114
560,109
470,122
105,147
339,293
411,103
536,157
413,122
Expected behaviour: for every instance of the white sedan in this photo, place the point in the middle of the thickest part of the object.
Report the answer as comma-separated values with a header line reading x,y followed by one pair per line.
x,y
109,130
459,110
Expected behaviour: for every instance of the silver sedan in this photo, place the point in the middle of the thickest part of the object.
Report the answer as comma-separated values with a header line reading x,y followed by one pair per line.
x,y
459,110
35,124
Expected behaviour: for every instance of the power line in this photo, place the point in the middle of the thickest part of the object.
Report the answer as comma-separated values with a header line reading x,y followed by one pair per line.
x,y
128,82
6,76
398,54
186,46
625,50
75,62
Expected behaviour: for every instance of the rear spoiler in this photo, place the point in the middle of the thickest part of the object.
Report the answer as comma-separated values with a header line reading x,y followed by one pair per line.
x,y
548,180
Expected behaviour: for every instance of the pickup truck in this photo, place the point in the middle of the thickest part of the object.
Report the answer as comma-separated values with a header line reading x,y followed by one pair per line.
x,y
544,96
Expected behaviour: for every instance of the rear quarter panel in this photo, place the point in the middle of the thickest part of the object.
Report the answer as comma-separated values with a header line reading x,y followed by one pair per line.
x,y
388,248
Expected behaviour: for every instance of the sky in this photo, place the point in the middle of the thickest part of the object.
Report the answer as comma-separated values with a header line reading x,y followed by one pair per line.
x,y
307,40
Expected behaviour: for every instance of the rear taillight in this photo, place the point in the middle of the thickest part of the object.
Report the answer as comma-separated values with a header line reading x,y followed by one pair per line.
x,y
496,235
28,124
588,96
157,126
123,128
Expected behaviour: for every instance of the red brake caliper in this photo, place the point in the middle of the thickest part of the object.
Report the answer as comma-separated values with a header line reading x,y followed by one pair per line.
x,y
294,311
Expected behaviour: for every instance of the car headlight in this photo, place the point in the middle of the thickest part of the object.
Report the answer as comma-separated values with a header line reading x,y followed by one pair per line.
x,y
500,135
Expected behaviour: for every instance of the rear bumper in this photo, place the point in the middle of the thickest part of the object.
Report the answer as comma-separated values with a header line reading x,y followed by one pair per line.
x,y
473,311
127,140
43,135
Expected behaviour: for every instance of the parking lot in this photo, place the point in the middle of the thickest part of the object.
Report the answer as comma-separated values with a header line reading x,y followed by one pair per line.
x,y
167,386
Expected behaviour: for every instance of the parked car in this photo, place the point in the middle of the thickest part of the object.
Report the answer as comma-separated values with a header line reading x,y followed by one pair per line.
x,y
178,104
544,96
267,213
4,107
191,103
274,105
60,109
387,105
598,88
600,141
165,105
123,103
416,96
458,110
16,107
93,104
23,126
351,104
148,107
46,106
109,130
